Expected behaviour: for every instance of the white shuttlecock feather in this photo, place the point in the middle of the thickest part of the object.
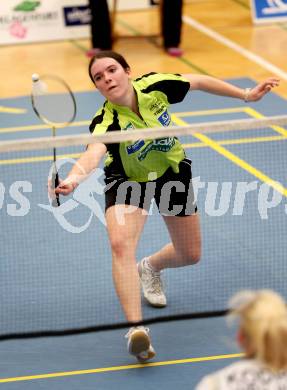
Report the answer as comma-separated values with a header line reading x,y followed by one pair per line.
x,y
38,86
35,77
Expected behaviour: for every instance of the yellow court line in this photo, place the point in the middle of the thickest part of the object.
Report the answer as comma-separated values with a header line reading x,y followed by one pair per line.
x,y
235,159
238,141
235,141
120,368
210,112
39,127
12,110
87,122
248,110
251,140
26,160
258,115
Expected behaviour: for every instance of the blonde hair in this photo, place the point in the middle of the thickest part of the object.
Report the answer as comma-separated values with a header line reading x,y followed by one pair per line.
x,y
263,321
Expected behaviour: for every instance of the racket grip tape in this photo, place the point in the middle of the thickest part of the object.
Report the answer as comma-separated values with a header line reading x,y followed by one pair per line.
x,y
55,183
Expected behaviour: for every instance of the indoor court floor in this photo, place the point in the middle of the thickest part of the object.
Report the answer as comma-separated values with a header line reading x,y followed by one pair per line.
x,y
236,255
52,278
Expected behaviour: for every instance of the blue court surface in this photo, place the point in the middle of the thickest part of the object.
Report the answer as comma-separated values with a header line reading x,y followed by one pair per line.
x,y
55,268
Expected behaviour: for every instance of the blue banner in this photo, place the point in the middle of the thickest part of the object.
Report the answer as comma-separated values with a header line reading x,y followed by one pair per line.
x,y
77,15
269,11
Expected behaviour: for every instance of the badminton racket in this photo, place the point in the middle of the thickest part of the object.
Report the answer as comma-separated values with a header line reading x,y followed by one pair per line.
x,y
54,103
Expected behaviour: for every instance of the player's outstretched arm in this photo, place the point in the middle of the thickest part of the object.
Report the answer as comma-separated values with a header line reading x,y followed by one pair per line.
x,y
219,87
83,167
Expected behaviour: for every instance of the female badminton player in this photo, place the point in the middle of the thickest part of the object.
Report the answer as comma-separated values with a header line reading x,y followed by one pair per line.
x,y
132,169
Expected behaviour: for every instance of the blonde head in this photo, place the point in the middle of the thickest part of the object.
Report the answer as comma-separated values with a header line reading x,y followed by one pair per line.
x,y
263,326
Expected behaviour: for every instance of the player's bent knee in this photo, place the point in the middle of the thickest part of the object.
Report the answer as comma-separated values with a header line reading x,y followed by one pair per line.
x,y
191,257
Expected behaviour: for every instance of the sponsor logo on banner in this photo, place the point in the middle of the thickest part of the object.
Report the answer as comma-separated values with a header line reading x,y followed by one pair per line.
x,y
43,20
275,7
27,6
17,30
77,16
267,11
27,12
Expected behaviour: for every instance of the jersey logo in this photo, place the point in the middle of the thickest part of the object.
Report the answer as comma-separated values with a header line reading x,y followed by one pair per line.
x,y
128,126
157,107
164,119
135,147
160,145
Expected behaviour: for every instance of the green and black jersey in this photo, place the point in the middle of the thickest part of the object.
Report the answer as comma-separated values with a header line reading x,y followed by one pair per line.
x,y
143,160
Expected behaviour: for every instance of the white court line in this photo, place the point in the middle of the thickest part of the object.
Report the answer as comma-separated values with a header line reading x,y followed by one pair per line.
x,y
232,45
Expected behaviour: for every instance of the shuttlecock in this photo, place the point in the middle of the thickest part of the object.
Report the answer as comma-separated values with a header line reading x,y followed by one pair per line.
x,y
35,77
38,86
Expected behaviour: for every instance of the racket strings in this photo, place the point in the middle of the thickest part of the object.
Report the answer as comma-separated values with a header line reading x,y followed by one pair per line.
x,y
53,101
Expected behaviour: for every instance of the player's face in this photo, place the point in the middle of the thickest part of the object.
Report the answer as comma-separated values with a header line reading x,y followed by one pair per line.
x,y
111,79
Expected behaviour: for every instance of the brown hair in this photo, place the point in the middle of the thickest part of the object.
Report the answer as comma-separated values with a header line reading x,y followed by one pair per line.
x,y
108,54
263,321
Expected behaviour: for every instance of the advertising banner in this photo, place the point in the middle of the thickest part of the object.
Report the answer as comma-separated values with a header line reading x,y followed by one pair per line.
x,y
269,11
23,21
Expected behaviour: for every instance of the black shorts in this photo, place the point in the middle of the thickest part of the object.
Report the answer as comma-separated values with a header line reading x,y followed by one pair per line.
x,y
173,192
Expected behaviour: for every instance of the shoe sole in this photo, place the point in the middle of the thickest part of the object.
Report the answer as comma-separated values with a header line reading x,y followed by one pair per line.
x,y
158,305
150,355
139,342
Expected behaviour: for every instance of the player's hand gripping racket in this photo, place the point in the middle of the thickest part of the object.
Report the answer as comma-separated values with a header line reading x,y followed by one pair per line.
x,y
54,103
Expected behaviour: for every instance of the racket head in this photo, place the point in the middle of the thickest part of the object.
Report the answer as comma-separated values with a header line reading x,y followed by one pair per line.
x,y
53,101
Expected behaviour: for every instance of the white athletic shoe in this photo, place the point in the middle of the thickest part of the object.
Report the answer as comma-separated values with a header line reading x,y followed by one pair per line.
x,y
139,344
151,285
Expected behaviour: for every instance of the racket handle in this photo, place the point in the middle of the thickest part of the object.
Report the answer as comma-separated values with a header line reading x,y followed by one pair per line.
x,y
56,201
55,183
